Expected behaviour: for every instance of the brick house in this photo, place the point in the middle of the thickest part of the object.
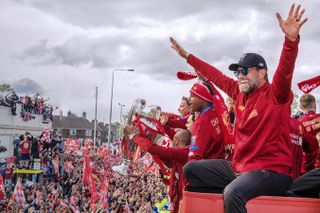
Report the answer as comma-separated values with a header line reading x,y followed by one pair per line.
x,y
72,126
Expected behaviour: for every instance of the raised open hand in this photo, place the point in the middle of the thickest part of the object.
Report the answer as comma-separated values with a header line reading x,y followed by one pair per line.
x,y
178,48
291,26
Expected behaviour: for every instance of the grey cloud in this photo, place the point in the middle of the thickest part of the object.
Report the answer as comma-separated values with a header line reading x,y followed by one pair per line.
x,y
77,51
89,14
153,56
27,86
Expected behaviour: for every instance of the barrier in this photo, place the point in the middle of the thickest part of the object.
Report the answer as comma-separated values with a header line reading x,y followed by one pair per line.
x,y
205,202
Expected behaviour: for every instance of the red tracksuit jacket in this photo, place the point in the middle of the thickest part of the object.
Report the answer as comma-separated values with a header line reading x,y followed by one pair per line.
x,y
206,137
262,140
304,149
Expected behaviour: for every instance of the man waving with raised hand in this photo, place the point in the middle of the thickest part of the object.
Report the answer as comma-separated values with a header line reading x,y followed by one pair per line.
x,y
262,162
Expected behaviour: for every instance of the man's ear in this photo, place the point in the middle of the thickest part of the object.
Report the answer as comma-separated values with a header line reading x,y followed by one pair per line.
x,y
315,106
262,74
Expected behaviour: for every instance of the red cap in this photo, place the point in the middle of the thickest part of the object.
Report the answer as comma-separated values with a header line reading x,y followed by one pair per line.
x,y
201,91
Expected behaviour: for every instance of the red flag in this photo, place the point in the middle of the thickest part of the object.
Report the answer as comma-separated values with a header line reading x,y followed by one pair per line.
x,y
87,179
2,194
18,194
104,186
11,159
310,84
71,145
86,168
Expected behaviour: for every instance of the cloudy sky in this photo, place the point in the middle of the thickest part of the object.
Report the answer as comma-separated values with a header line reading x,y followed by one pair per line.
x,y
65,48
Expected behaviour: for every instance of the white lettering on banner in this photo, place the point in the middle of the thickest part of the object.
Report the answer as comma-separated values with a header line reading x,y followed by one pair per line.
x,y
308,87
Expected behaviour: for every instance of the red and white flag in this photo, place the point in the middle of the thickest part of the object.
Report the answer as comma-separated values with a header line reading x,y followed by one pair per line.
x,y
309,85
2,193
18,194
72,145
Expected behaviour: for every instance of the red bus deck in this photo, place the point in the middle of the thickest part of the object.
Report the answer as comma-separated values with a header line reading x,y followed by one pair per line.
x,y
207,203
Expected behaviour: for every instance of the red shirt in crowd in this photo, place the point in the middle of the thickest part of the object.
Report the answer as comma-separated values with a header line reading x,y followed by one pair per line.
x,y
25,147
304,149
206,137
262,140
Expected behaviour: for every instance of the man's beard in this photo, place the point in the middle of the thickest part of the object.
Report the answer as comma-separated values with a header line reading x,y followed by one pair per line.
x,y
249,88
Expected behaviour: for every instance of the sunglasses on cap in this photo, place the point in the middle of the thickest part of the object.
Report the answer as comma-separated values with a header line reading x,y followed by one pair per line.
x,y
244,71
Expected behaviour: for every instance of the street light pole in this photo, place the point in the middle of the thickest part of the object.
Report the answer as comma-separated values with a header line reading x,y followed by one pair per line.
x,y
111,99
121,105
120,126
95,118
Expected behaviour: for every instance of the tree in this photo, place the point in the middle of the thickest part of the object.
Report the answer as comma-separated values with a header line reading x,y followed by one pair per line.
x,y
5,88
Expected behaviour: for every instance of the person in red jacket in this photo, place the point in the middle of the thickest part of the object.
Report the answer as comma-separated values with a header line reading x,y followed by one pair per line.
x,y
304,147
25,145
174,158
262,161
206,134
310,119
308,185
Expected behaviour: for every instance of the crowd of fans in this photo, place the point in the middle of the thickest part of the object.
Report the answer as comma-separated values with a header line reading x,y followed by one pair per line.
x,y
30,105
60,188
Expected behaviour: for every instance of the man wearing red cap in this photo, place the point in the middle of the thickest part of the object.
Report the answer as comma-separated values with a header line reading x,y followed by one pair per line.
x,y
206,135
262,161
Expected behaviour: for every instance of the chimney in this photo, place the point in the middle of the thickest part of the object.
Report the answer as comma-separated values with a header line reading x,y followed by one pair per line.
x,y
84,115
69,113
60,114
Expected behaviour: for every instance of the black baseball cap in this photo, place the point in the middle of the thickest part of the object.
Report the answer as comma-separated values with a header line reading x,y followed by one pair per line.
x,y
249,60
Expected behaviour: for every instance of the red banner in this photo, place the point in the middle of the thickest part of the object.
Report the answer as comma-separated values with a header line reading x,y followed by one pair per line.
x,y
309,85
